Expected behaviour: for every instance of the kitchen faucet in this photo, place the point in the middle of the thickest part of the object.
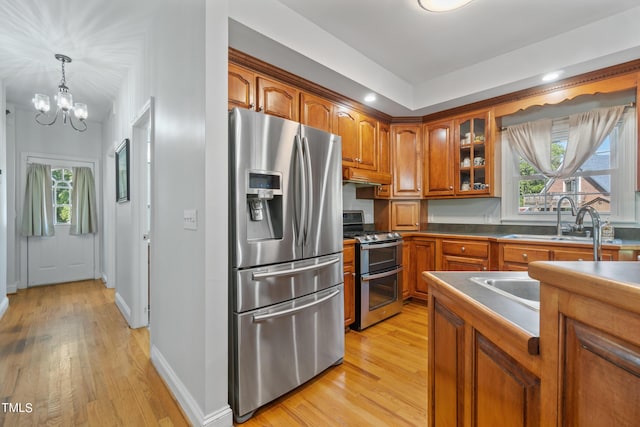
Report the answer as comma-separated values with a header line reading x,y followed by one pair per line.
x,y
597,224
559,213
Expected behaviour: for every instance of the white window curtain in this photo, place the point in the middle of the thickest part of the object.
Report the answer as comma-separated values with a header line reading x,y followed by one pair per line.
x,y
83,202
37,215
532,140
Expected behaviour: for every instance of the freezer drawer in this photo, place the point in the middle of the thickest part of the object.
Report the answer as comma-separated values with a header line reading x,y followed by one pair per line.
x,y
283,346
264,286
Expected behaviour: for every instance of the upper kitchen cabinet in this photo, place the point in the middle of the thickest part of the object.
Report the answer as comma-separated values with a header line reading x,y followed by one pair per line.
x,y
384,159
241,87
439,175
277,99
367,143
316,112
407,161
359,138
345,124
474,159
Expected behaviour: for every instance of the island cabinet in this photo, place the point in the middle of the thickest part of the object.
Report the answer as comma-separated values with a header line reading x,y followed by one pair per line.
x,y
406,148
465,255
348,254
590,318
480,371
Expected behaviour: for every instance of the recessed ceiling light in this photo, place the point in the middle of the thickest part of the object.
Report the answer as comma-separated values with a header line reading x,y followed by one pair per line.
x,y
370,98
549,77
441,5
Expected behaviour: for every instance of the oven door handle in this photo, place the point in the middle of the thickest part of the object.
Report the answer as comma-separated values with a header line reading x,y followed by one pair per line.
x,y
289,311
368,277
371,246
290,271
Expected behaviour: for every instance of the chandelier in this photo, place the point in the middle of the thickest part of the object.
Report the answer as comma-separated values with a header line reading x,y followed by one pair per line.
x,y
65,104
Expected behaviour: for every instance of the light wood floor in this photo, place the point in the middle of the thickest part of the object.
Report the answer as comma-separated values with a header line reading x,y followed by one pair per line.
x,y
382,381
67,351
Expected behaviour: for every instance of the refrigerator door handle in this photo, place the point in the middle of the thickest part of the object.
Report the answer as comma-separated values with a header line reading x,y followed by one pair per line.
x,y
290,271
302,180
290,311
309,190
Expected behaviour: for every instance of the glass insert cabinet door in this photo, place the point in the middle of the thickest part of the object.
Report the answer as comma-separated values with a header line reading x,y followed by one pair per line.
x,y
471,141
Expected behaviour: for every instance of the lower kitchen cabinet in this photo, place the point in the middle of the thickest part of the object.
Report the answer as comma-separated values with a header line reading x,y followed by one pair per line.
x,y
407,273
348,253
423,256
463,255
517,256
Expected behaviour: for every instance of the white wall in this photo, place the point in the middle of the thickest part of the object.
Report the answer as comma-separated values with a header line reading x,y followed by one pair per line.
x,y
349,202
4,302
57,140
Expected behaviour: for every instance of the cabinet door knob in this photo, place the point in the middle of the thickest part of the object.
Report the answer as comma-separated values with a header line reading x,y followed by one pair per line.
x,y
525,256
252,105
260,108
416,224
580,259
419,189
451,187
484,268
463,249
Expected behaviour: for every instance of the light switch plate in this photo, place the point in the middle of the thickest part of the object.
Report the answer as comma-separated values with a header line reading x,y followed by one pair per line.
x,y
190,219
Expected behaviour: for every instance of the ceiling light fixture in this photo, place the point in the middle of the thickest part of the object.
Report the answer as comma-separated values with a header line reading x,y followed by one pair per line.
x,y
370,97
64,101
549,77
441,5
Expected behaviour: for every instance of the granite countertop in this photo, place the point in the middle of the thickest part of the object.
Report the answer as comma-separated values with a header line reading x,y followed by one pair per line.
x,y
523,316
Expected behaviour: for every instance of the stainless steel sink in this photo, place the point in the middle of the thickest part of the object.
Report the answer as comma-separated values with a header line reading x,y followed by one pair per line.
x,y
523,290
549,237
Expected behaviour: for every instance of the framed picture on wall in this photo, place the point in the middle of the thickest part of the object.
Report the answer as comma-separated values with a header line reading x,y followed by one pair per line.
x,y
122,172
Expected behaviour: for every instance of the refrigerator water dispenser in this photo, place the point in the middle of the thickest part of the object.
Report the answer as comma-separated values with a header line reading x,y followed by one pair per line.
x,y
264,205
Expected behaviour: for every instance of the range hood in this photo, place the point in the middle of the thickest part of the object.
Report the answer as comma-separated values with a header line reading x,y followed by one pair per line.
x,y
361,176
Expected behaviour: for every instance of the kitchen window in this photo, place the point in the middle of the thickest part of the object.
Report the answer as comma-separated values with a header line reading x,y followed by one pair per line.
x,y
604,181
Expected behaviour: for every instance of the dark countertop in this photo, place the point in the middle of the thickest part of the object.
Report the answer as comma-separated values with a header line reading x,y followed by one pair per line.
x,y
524,317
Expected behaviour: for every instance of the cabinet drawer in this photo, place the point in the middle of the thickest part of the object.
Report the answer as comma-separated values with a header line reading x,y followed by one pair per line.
x,y
348,254
577,255
468,249
523,254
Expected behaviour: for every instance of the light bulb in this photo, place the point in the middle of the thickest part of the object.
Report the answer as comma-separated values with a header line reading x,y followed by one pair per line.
x,y
41,102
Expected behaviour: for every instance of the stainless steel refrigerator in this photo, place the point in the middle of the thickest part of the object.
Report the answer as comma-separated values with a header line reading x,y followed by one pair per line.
x,y
286,287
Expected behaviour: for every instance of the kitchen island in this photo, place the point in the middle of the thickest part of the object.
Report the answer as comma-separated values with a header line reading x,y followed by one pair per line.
x,y
495,361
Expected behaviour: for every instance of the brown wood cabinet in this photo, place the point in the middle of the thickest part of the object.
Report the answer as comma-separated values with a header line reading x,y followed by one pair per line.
x,y
480,371
407,273
474,157
462,255
439,173
517,256
277,99
400,215
384,159
423,257
345,124
367,143
349,284
591,322
316,112
242,87
406,146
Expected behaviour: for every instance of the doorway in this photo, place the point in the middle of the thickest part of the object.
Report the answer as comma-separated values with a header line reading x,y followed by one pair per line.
x,y
142,144
62,257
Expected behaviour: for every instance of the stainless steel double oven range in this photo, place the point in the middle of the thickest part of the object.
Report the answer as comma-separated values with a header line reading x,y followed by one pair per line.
x,y
378,270
286,308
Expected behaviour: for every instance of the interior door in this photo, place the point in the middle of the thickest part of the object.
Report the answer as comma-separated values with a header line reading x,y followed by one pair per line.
x,y
62,257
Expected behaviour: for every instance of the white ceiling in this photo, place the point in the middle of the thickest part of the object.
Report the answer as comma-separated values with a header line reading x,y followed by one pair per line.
x,y
420,62
417,62
102,38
